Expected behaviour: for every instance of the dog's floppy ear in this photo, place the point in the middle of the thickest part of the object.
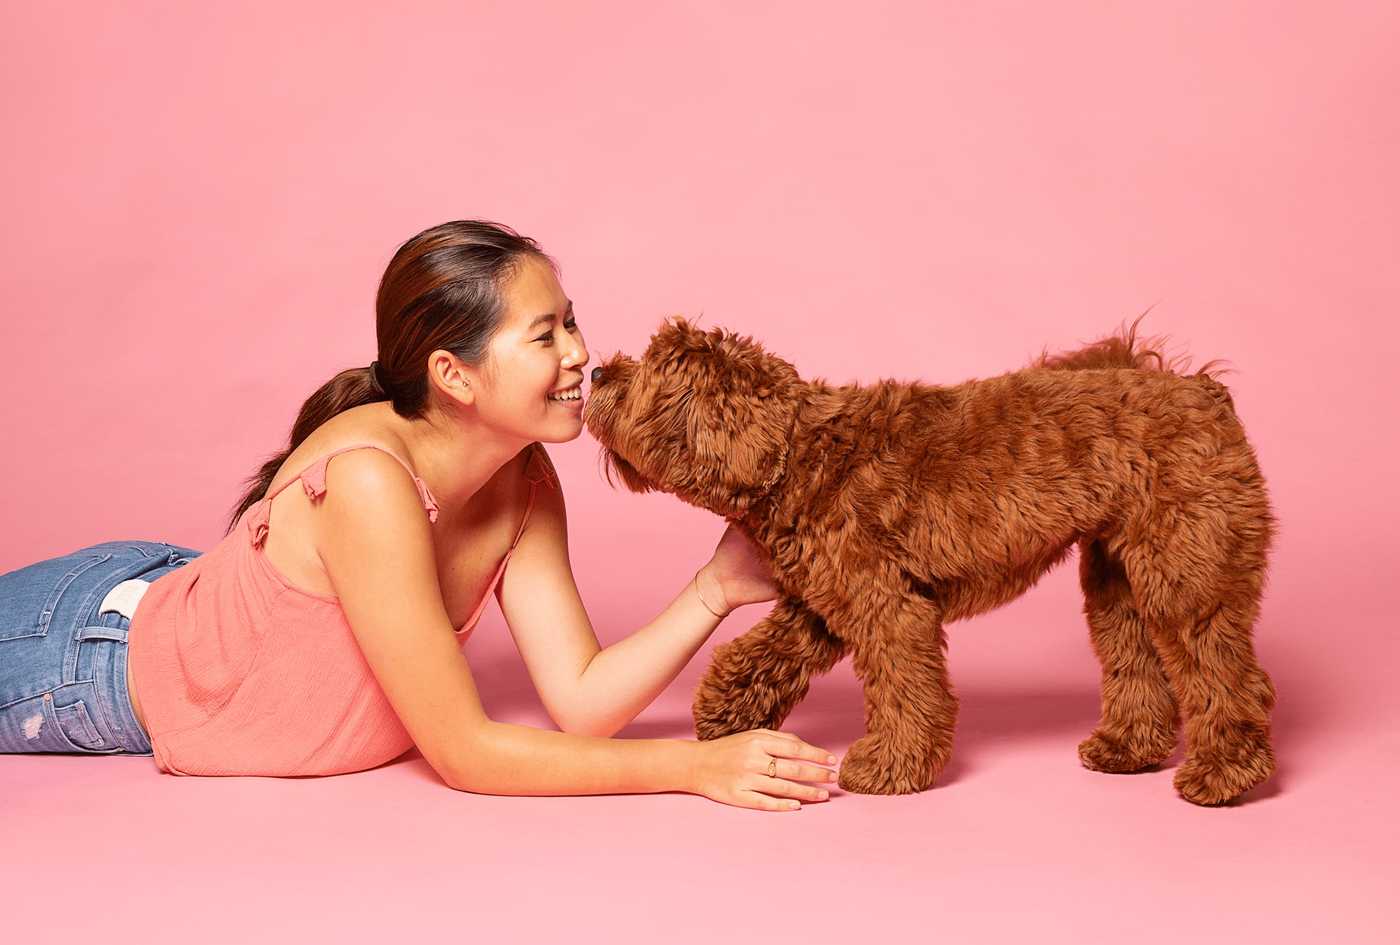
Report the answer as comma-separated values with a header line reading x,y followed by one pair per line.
x,y
740,421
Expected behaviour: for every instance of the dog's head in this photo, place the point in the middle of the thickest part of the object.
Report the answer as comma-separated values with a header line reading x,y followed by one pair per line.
x,y
703,415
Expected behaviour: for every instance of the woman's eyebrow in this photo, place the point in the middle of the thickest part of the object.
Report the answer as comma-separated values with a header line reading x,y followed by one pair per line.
x,y
549,316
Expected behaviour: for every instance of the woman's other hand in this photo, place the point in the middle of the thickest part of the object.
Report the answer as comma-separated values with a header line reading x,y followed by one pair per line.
x,y
738,572
761,769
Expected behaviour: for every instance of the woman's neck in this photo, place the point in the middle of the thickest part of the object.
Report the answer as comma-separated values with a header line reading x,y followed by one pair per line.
x,y
455,459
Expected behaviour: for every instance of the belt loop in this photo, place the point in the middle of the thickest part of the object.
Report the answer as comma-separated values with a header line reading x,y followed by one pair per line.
x,y
102,633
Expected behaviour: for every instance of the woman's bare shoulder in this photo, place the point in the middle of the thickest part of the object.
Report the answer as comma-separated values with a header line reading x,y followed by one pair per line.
x,y
356,426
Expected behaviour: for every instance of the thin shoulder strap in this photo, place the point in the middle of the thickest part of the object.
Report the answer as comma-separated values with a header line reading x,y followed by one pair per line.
x,y
313,481
537,470
313,478
537,467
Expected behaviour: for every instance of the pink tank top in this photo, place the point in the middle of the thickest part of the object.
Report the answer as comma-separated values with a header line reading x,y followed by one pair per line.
x,y
240,672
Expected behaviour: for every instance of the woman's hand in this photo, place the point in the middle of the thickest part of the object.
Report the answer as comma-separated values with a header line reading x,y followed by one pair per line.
x,y
735,770
737,573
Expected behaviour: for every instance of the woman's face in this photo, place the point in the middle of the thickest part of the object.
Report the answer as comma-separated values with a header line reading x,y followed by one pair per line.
x,y
535,356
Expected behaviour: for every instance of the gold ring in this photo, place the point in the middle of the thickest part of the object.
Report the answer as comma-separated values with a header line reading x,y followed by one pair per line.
x,y
772,767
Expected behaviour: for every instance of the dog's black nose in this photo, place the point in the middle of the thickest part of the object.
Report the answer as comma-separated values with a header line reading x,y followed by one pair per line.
x,y
597,374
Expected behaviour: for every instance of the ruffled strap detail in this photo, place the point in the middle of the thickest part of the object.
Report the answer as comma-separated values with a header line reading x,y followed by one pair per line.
x,y
537,467
257,522
313,483
313,478
429,502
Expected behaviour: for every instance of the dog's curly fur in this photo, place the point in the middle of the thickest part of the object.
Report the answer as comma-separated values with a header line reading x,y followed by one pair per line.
x,y
889,510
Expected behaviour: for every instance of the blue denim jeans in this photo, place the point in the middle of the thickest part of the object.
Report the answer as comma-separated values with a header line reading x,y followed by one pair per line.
x,y
63,664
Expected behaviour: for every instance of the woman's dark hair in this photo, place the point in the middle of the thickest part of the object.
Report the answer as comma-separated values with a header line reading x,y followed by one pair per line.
x,y
442,290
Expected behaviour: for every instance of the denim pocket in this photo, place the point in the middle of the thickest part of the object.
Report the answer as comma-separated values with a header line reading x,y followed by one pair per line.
x,y
75,724
29,595
37,725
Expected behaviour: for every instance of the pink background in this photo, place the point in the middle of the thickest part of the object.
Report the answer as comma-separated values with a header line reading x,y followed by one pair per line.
x,y
199,203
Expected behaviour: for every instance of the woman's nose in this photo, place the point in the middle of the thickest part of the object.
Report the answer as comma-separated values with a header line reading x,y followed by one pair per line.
x,y
597,375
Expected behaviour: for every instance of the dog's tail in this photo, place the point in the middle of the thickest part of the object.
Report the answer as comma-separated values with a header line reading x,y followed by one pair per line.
x,y
1124,349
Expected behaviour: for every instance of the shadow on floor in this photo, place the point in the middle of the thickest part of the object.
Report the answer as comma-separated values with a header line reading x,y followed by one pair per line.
x,y
993,716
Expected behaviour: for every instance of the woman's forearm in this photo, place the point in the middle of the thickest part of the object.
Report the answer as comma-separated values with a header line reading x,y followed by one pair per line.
x,y
626,677
502,758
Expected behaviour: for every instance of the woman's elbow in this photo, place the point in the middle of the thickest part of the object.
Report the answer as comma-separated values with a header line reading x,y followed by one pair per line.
x,y
468,769
588,725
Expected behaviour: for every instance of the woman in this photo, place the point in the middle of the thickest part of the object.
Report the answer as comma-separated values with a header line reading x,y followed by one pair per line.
x,y
318,636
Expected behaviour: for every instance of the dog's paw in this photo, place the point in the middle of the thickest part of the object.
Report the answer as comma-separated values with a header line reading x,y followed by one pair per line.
x,y
725,704
711,724
1217,777
718,714
708,728
872,767
1103,752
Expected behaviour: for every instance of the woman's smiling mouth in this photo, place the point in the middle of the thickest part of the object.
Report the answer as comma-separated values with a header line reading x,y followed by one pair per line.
x,y
568,397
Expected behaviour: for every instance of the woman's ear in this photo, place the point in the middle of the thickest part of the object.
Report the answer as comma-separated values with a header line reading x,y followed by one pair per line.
x,y
453,377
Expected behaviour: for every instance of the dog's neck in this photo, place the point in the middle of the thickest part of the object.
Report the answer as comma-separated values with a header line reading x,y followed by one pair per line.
x,y
759,506
815,406
819,449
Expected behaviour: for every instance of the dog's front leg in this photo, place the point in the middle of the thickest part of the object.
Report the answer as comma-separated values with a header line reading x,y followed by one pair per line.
x,y
898,648
755,679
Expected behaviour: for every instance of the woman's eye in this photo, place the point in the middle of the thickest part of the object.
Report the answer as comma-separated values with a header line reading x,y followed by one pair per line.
x,y
548,337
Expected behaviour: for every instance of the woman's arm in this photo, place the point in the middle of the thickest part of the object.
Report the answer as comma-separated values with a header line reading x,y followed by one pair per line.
x,y
376,545
519,759
377,548
626,677
587,689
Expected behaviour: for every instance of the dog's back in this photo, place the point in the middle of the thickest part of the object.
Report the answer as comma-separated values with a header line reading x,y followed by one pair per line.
x,y
1126,350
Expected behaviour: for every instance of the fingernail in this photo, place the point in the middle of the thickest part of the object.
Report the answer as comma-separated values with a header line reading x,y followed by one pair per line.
x,y
822,795
831,759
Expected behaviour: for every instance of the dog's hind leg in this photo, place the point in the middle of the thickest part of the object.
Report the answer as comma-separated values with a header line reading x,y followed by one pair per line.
x,y
1199,589
1138,715
1226,697
899,648
755,679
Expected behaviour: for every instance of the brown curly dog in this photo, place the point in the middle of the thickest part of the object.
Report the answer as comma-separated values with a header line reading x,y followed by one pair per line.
x,y
890,509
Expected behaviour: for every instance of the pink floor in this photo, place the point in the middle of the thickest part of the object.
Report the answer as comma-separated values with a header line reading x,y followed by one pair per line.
x,y
1017,842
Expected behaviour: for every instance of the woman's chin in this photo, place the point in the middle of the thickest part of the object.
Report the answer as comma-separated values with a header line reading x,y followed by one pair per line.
x,y
561,431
